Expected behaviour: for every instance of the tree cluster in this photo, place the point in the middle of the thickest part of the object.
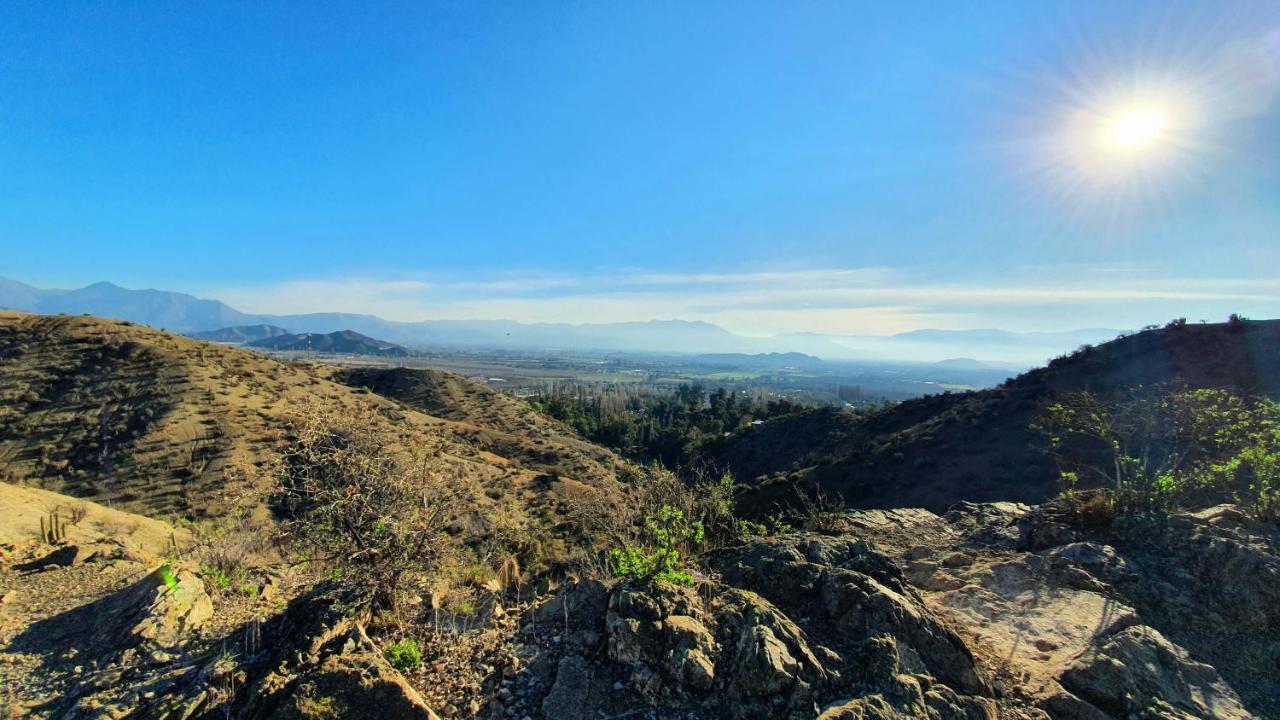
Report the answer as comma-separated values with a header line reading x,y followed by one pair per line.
x,y
666,425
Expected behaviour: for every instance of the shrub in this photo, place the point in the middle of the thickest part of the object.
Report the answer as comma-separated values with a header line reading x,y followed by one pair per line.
x,y
659,557
226,547
1156,448
218,578
819,512
403,655
363,506
660,524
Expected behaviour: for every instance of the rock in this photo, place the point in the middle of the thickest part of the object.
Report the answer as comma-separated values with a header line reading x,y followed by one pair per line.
x,y
768,653
582,602
763,664
64,556
910,703
859,604
653,630
350,679
179,606
872,707
569,694
989,524
1097,559
1138,672
692,647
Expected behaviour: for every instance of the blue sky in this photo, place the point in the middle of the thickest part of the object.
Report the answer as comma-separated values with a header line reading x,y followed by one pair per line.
x,y
838,167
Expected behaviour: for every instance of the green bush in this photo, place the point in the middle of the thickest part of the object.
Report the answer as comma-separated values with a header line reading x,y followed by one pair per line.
x,y
219,578
660,557
1157,448
403,655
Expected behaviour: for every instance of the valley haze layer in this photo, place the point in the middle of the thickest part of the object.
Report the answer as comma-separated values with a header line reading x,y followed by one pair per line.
x,y
191,315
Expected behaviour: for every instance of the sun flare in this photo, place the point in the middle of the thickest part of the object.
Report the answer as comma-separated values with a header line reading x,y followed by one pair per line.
x,y
1136,129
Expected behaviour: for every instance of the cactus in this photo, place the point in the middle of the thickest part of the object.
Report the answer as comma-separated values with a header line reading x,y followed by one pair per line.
x,y
52,529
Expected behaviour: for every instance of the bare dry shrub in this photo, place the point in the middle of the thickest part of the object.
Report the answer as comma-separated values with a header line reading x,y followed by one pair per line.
x,y
820,512
76,513
364,505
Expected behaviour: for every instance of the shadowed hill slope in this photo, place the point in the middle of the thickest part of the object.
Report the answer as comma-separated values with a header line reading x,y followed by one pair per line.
x,y
345,342
240,334
157,423
978,446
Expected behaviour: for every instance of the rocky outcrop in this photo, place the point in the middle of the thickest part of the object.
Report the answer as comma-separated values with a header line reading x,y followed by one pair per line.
x,y
854,594
350,679
991,611
1137,672
1087,614
793,625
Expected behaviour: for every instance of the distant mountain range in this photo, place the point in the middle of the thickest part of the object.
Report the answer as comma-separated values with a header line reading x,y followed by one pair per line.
x,y
342,342
195,316
241,334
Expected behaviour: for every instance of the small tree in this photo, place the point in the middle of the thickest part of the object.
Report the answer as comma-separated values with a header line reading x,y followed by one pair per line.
x,y
364,506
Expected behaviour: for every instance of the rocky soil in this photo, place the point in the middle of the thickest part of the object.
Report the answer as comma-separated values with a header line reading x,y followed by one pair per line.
x,y
989,611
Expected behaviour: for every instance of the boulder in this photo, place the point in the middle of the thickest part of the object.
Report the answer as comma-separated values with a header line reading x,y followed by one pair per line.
x,y
1137,672
569,695
346,678
178,607
658,632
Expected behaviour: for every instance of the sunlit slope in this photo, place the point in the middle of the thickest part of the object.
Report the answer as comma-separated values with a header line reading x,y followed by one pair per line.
x,y
495,421
159,424
978,446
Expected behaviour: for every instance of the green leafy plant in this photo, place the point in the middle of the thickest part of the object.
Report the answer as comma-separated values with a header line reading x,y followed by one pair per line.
x,y
1158,448
219,578
660,558
403,655
168,578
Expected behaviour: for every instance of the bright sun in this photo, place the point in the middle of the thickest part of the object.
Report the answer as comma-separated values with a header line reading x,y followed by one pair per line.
x,y
1136,129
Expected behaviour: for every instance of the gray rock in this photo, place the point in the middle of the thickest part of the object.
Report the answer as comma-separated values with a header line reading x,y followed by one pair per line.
x,y
572,688
1139,672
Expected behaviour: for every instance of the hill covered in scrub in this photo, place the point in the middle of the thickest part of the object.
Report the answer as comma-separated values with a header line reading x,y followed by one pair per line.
x,y
979,446
498,422
168,426
341,342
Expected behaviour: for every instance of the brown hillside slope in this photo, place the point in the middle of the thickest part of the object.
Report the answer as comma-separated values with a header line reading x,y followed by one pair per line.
x,y
22,509
977,446
152,422
501,423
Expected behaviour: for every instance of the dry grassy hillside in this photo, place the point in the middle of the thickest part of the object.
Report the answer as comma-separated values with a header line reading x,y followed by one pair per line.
x,y
495,421
938,450
157,423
